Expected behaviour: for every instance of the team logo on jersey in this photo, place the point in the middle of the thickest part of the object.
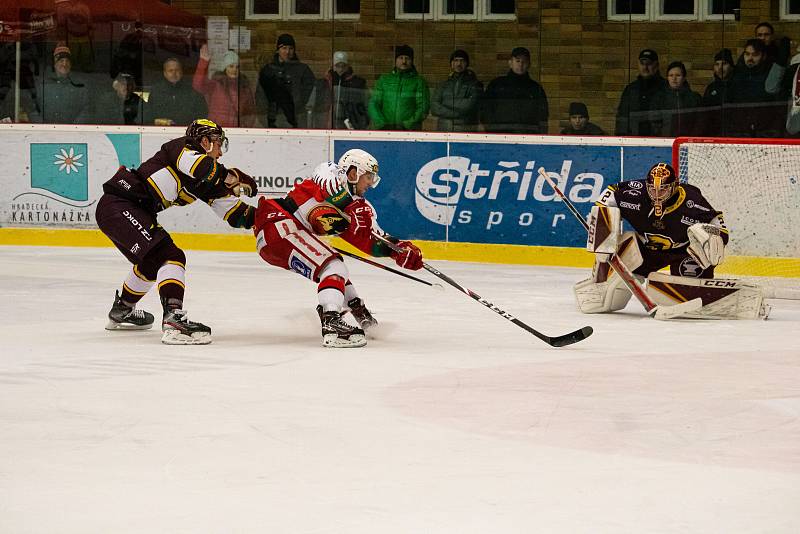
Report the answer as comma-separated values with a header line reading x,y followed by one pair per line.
x,y
689,268
658,242
635,185
61,168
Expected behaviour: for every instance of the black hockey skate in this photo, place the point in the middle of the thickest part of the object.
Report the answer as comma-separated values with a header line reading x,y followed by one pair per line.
x,y
179,330
124,317
361,313
337,333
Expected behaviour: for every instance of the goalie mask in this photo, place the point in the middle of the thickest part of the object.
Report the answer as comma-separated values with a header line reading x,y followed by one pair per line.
x,y
201,128
364,162
662,182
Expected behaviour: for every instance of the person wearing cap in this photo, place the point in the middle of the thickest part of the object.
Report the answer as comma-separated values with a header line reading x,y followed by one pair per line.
x,y
635,104
228,93
120,105
515,103
456,101
675,107
172,100
284,87
344,96
579,121
400,99
63,97
716,101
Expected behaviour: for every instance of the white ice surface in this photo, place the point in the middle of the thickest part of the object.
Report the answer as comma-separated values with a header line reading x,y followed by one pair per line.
x,y
451,420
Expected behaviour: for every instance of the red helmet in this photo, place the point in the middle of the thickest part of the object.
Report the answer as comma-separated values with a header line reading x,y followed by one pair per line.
x,y
662,182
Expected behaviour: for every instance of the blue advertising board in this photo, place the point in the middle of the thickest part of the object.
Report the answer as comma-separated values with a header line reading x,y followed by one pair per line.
x,y
492,193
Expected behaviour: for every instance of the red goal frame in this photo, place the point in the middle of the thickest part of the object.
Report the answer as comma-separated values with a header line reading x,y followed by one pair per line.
x,y
676,144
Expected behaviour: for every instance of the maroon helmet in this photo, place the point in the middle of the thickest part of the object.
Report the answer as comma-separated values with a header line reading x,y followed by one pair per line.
x,y
662,182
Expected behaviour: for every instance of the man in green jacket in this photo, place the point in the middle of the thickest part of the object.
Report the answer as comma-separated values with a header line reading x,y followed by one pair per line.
x,y
400,99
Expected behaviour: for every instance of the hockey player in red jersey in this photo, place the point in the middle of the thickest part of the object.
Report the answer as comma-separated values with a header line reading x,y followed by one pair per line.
x,y
184,170
673,226
331,202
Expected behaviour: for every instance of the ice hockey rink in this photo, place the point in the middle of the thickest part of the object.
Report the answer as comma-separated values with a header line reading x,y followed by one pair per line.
x,y
451,420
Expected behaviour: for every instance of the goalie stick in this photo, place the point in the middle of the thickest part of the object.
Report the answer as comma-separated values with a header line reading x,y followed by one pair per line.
x,y
387,268
553,341
653,309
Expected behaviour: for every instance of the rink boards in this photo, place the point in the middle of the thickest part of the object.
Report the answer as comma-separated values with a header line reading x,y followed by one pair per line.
x,y
466,197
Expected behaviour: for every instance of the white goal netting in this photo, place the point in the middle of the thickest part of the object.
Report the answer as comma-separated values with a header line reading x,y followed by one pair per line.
x,y
756,184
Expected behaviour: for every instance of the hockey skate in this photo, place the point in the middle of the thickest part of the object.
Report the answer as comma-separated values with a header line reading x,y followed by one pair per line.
x,y
124,317
179,330
338,334
361,314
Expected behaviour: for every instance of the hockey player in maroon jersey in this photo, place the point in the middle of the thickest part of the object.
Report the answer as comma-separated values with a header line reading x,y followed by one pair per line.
x,y
331,202
184,170
673,225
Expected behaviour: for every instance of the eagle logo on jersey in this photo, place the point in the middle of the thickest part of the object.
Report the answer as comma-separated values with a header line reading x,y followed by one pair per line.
x,y
659,242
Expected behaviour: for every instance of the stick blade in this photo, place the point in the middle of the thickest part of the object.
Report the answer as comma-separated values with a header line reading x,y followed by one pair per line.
x,y
572,337
671,312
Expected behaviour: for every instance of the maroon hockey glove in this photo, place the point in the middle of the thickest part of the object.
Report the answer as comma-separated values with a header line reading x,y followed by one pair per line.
x,y
247,186
408,258
361,215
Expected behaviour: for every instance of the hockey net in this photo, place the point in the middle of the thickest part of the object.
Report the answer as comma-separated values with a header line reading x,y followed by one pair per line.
x,y
756,184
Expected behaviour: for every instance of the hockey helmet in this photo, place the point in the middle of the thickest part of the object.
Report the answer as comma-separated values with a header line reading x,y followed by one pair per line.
x,y
661,182
201,128
363,161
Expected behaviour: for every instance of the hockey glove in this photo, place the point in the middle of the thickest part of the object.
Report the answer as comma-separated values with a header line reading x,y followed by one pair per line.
x,y
705,244
361,215
410,257
241,183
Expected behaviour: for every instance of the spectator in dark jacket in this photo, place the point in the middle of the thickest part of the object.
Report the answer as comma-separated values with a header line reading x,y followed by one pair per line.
x,y
579,121
284,87
756,114
717,98
633,113
120,105
345,96
456,102
62,98
172,100
675,107
515,103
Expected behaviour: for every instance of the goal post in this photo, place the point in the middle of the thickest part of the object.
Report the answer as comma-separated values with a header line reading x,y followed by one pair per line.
x,y
756,185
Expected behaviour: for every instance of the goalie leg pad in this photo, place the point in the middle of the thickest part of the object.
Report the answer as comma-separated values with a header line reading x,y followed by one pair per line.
x,y
605,229
722,298
605,291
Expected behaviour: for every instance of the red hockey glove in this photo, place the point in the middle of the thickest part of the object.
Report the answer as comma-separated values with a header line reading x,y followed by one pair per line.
x,y
408,258
361,215
245,185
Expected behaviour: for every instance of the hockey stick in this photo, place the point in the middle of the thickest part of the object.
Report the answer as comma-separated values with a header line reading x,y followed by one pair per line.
x,y
556,341
387,268
653,309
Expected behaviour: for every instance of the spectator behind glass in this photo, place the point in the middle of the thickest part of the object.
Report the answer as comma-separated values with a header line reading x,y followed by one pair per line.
x,y
579,121
716,102
344,96
130,55
633,113
456,102
172,100
29,71
228,94
756,114
120,105
284,87
401,99
676,105
62,98
515,103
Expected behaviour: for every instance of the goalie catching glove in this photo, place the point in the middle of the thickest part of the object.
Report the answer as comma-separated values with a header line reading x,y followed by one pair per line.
x,y
240,183
410,257
705,244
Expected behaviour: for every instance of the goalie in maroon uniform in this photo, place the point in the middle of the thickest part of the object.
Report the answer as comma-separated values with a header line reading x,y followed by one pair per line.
x,y
331,202
184,170
673,226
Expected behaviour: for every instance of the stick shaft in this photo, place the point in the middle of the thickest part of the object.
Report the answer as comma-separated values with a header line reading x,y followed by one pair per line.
x,y
381,266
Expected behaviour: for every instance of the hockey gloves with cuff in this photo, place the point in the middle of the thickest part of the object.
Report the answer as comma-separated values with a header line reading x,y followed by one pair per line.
x,y
360,214
408,258
705,244
241,183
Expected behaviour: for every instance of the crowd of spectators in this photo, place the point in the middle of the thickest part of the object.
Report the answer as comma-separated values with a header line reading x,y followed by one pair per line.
x,y
750,96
